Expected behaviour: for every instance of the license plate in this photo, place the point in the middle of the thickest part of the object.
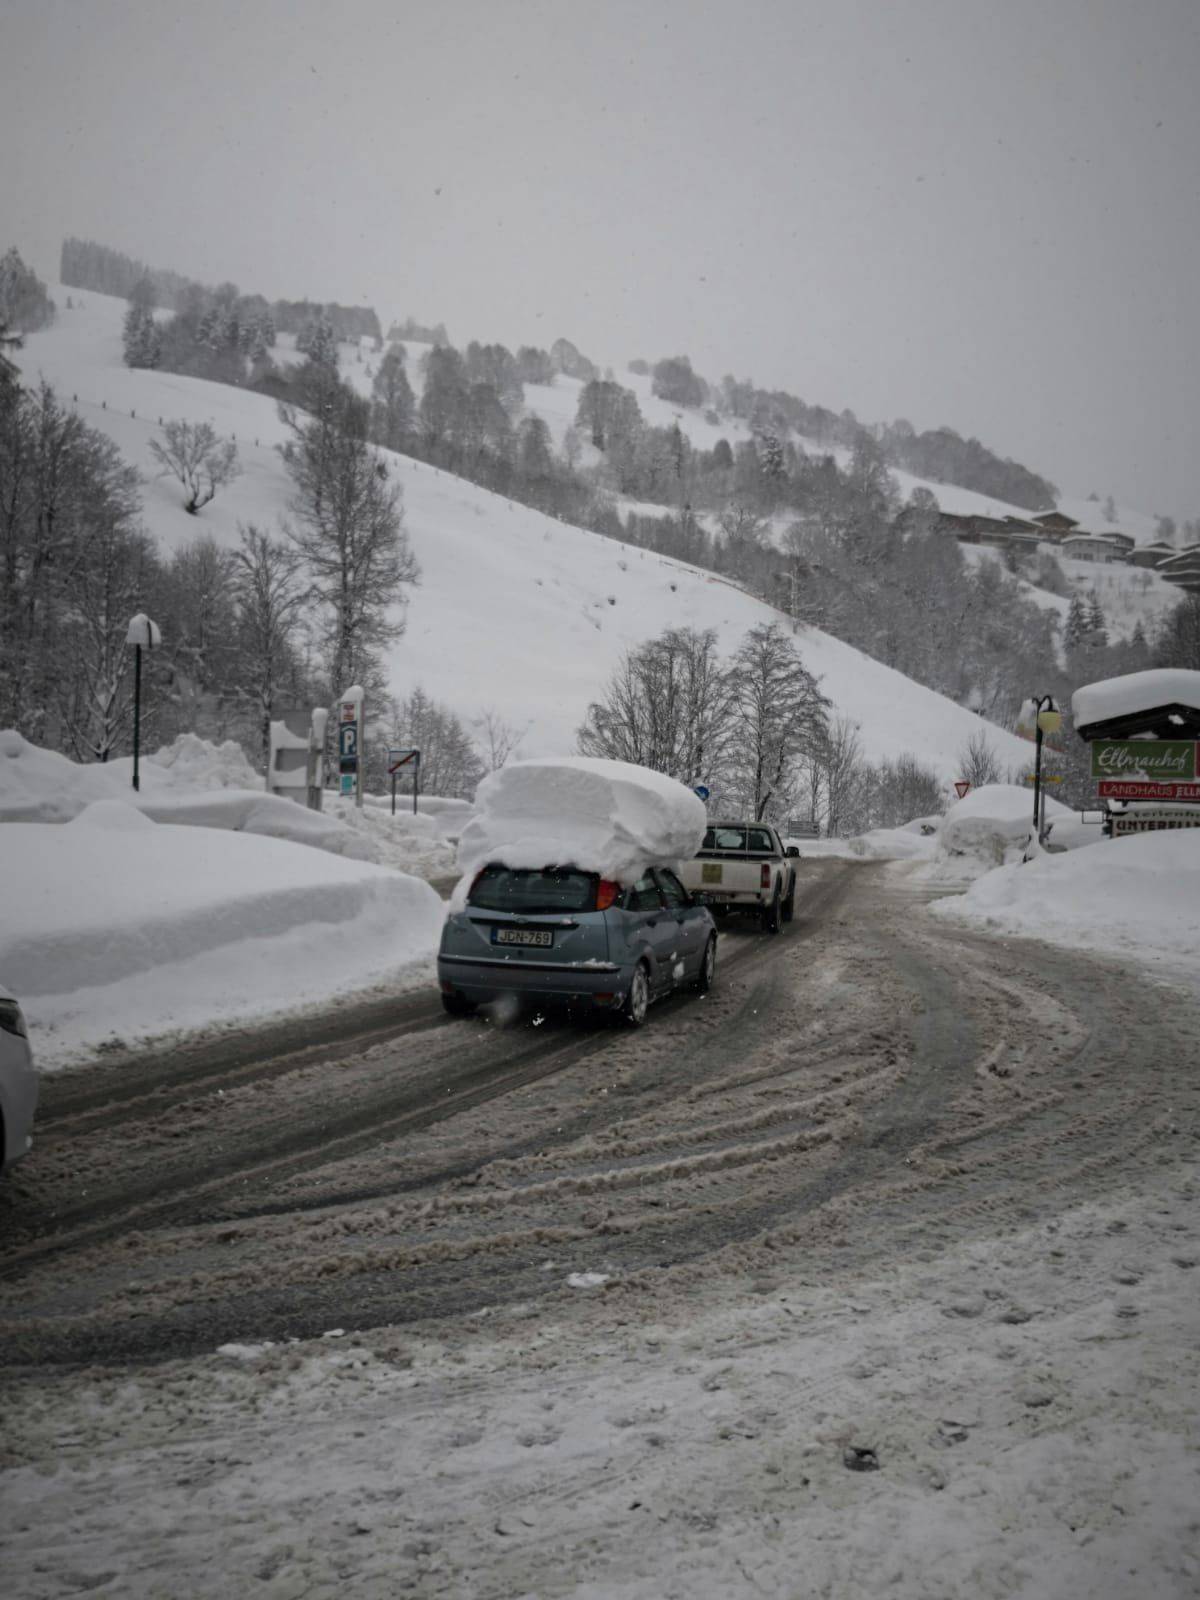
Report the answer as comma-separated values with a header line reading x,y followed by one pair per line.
x,y
710,872
538,936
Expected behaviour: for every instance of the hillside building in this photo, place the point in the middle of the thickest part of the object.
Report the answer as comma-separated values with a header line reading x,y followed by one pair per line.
x,y
1092,547
1183,568
1149,555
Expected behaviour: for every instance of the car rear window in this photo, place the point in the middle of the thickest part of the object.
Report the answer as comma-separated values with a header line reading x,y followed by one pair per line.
x,y
534,889
755,839
724,839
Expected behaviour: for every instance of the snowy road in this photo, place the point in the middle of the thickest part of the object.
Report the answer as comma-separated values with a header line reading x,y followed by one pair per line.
x,y
868,1094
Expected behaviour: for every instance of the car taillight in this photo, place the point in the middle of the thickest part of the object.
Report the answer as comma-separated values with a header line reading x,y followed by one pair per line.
x,y
765,877
11,1019
606,894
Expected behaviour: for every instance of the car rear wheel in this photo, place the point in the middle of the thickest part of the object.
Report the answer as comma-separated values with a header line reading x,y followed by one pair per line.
x,y
637,1002
789,905
455,1006
772,917
708,967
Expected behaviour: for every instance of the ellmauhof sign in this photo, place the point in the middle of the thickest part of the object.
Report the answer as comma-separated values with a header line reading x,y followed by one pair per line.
x,y
1147,769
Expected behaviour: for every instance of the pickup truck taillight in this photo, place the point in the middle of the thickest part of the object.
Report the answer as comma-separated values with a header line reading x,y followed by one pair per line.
x,y
764,877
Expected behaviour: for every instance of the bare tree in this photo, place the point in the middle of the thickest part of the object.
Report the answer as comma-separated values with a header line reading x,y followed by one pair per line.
x,y
270,601
835,781
977,762
668,706
902,790
202,462
349,530
497,738
781,716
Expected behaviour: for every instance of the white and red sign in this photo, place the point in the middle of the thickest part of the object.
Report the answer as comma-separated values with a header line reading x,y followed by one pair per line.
x,y
961,788
1130,789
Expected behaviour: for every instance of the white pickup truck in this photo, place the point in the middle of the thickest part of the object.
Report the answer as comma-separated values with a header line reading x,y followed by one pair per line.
x,y
743,866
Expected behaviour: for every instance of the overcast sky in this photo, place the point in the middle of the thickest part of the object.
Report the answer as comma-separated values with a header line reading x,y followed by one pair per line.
x,y
984,213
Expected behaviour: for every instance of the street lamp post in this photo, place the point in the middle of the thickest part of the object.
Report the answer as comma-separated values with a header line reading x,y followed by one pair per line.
x,y
142,634
1049,720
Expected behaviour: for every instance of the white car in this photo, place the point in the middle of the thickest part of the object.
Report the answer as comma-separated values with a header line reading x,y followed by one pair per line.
x,y
18,1082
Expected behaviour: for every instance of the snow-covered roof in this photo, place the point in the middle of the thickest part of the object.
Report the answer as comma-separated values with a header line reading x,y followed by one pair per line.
x,y
1134,693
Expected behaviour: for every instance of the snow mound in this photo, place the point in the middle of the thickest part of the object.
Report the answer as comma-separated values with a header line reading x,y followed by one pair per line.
x,y
1139,895
906,843
271,816
166,927
195,763
42,786
609,817
1134,692
992,822
112,816
418,844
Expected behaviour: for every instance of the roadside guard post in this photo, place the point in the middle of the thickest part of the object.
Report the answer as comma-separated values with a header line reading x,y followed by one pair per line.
x,y
404,758
142,634
349,737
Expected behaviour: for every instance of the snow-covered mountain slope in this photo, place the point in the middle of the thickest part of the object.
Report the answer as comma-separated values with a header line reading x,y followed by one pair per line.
x,y
557,404
515,611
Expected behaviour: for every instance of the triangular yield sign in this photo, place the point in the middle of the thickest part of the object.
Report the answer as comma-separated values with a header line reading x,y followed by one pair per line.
x,y
961,787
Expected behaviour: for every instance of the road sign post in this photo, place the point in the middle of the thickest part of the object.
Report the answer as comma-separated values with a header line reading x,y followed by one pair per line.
x,y
404,758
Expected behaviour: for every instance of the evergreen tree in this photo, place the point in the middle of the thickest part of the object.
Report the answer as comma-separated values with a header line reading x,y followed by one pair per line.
x,y
392,402
1097,629
140,337
1075,628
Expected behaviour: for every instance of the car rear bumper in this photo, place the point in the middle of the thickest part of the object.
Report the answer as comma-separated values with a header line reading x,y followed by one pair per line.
x,y
555,983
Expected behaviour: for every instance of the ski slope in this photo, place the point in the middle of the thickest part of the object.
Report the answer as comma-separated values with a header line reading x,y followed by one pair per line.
x,y
515,611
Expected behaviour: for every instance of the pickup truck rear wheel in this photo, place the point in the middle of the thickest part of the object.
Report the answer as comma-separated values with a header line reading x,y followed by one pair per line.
x,y
789,905
772,917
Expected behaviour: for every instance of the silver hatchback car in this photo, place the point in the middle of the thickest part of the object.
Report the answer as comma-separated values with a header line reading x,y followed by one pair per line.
x,y
558,936
18,1082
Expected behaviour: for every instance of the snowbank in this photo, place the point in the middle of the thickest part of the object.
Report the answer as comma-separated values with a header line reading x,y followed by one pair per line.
x,y
893,844
151,927
42,786
417,844
197,784
1134,692
1139,895
608,817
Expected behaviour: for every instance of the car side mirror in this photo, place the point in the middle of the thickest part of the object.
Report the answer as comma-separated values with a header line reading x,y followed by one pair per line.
x,y
793,850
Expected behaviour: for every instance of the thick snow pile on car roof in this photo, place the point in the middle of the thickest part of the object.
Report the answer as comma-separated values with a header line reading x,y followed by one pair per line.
x,y
154,927
608,817
1134,692
1139,896
991,821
